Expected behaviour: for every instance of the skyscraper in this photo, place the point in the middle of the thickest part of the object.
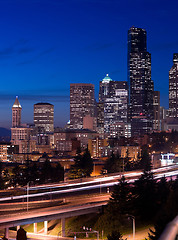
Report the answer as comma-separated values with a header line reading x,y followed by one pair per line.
x,y
82,103
113,103
173,89
156,110
16,113
104,90
139,78
44,116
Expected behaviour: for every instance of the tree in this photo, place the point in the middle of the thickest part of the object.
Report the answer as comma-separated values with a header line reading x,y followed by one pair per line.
x,y
115,235
127,163
145,196
17,177
1,178
115,215
58,173
145,161
167,211
46,171
6,178
113,164
34,172
26,172
83,166
87,163
121,198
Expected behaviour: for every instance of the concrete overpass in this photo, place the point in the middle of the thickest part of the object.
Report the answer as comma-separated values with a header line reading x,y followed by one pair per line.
x,y
45,215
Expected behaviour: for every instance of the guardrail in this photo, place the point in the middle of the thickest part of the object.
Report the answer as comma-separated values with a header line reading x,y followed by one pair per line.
x,y
171,231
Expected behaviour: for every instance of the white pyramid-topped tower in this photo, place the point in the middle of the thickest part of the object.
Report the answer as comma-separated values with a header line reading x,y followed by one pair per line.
x,y
16,113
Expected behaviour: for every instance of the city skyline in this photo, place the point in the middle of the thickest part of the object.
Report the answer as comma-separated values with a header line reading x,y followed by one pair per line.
x,y
46,45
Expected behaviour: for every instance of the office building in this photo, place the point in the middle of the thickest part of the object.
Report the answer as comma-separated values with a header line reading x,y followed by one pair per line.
x,y
96,147
71,135
44,117
156,111
113,105
16,113
139,78
173,89
21,136
103,94
6,151
82,103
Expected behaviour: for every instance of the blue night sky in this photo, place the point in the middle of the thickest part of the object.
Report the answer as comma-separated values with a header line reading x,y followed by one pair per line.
x,y
47,44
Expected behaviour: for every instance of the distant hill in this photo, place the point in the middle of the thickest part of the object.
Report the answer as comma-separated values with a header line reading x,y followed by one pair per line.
x,y
4,132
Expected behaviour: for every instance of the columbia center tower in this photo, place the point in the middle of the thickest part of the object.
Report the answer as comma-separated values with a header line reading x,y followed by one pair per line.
x,y
140,83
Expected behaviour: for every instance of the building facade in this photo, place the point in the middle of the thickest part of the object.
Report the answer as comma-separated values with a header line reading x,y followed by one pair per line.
x,y
173,89
82,103
44,117
113,105
156,110
70,136
139,78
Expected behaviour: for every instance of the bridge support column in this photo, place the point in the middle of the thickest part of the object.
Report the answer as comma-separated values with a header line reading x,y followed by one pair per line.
x,y
45,227
35,227
63,226
7,233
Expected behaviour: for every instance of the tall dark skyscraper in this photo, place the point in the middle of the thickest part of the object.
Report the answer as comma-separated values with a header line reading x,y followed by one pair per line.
x,y
173,88
140,83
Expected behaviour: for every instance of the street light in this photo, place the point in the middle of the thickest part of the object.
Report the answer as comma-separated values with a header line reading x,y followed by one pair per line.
x,y
133,218
27,194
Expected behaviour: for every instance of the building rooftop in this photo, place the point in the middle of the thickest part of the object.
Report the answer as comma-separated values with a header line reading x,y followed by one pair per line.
x,y
43,103
59,130
107,79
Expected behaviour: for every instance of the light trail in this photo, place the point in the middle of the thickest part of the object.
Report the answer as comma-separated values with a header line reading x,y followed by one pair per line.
x,y
99,181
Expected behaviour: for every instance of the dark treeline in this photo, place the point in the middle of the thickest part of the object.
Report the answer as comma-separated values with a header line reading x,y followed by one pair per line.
x,y
33,172
117,164
150,201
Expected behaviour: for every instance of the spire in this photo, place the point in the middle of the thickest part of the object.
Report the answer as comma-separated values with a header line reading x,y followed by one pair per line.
x,y
107,79
16,103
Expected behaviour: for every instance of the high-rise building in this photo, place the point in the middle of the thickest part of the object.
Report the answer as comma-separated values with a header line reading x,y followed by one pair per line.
x,y
173,89
113,104
44,117
139,78
16,113
156,110
103,94
82,103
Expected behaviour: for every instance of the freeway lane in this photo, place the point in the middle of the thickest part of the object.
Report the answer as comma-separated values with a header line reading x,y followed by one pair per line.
x,y
19,207
47,214
97,183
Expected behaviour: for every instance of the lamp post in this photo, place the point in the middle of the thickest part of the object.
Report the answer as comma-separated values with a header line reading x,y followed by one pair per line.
x,y
27,194
123,166
133,219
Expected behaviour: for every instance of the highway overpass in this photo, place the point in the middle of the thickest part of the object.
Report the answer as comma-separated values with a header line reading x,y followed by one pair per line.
x,y
47,214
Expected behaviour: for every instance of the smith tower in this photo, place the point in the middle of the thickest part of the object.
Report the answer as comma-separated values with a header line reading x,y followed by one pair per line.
x,y
140,83
16,113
